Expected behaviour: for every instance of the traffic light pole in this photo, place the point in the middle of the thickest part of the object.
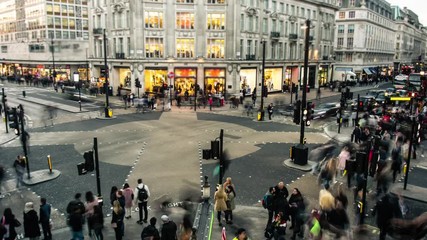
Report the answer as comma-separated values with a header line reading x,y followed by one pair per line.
x,y
411,142
340,112
24,139
98,180
365,185
357,109
221,156
261,107
4,109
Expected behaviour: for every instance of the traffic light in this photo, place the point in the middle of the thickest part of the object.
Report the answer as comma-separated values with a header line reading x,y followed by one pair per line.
x,y
137,83
89,161
309,114
13,120
360,106
4,99
215,149
418,134
297,112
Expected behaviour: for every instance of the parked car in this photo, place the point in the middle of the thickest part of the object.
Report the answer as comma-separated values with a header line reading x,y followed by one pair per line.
x,y
326,110
287,110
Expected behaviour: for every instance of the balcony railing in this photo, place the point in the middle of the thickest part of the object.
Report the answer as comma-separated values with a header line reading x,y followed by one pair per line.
x,y
250,57
98,31
293,36
275,34
120,55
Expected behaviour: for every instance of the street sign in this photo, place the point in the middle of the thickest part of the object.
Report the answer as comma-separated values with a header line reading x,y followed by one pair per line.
x,y
400,99
171,75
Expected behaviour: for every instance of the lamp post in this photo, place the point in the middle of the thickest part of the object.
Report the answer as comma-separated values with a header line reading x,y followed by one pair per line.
x,y
206,190
107,104
304,83
53,74
261,107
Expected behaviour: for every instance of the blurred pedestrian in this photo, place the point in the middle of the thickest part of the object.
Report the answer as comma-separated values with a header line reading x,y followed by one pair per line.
x,y
186,229
385,209
210,102
169,229
343,157
241,234
76,204
396,158
357,133
113,194
150,231
318,94
129,196
117,220
268,203
279,226
143,193
231,195
10,223
121,199
31,222
327,173
76,221
19,166
45,210
280,196
220,206
91,201
270,110
297,209
97,222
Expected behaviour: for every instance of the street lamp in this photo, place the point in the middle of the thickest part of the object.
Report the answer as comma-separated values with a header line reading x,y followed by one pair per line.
x,y
300,151
107,105
261,107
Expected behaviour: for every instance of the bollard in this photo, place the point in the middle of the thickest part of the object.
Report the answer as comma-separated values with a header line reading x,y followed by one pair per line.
x,y
23,93
49,163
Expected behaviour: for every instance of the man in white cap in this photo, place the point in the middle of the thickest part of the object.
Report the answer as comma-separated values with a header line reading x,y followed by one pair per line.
x,y
169,229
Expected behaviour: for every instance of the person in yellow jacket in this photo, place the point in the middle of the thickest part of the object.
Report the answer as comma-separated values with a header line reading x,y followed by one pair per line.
x,y
241,234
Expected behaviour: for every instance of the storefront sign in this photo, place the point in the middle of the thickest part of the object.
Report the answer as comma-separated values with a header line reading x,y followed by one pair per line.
x,y
171,75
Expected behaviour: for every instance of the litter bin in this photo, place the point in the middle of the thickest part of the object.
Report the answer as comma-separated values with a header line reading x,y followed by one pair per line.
x,y
300,154
261,115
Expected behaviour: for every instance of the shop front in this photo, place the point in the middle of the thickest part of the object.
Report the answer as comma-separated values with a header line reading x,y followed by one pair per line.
x,y
124,84
185,80
215,81
273,79
154,78
322,75
83,71
248,79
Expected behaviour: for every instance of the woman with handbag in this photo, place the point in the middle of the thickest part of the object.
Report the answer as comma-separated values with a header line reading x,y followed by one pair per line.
x,y
31,222
231,194
117,220
220,205
10,223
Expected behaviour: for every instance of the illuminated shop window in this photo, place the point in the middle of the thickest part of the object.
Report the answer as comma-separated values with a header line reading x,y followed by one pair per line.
x,y
215,48
184,20
154,47
216,21
185,48
49,9
153,20
216,1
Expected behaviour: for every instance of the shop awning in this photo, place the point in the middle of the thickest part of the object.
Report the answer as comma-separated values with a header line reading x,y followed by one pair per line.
x,y
373,70
351,74
367,71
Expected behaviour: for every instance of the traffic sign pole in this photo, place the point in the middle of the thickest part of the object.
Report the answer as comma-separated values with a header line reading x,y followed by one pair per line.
x,y
171,75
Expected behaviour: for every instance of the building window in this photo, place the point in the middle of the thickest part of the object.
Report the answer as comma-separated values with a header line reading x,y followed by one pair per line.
x,y
154,47
216,1
153,20
3,49
266,4
350,42
350,28
352,3
242,22
339,3
349,57
341,15
265,25
351,14
185,48
241,48
280,50
273,25
216,21
35,48
249,47
185,1
340,28
340,42
251,23
215,48
185,20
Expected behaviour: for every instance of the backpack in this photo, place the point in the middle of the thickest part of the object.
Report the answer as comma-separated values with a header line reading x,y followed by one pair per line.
x,y
265,201
142,194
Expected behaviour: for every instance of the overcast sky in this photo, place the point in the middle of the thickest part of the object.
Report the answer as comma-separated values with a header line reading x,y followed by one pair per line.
x,y
417,6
